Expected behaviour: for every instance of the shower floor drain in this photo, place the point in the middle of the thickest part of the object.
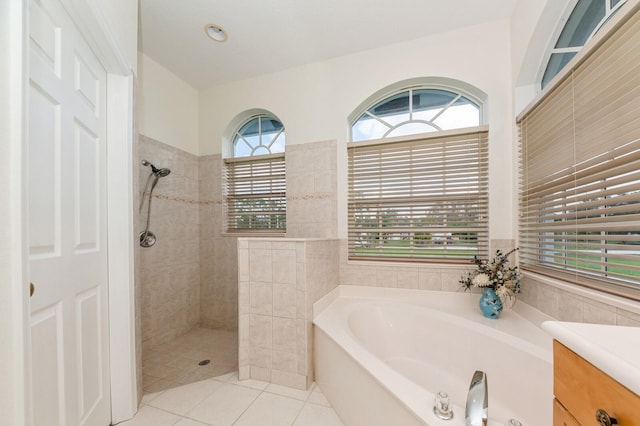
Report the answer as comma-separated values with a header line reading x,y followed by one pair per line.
x,y
204,362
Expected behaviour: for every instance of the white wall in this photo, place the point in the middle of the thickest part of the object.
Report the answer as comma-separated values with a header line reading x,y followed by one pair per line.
x,y
167,107
314,101
121,17
533,27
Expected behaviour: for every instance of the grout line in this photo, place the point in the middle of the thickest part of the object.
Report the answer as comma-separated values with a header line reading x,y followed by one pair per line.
x,y
248,406
295,419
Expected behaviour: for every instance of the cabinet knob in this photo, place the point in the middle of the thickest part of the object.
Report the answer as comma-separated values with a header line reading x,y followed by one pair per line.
x,y
32,289
603,418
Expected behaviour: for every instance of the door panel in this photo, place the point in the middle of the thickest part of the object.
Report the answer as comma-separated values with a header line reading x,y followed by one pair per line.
x,y
44,173
87,166
67,223
90,359
47,360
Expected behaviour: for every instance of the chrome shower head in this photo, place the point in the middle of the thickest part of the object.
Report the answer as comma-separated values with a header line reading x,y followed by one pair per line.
x,y
156,171
162,172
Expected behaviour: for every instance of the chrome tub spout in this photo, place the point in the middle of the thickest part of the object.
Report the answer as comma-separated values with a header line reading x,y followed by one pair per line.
x,y
477,409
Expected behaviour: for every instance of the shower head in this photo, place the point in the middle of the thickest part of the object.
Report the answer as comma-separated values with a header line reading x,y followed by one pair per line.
x,y
161,172
156,171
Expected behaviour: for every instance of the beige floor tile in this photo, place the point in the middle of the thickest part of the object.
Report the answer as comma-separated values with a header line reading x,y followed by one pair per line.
x,y
224,406
183,399
175,363
249,383
227,377
224,400
193,353
203,373
160,385
188,422
148,380
301,395
155,357
317,397
161,371
271,410
150,416
184,364
316,415
148,397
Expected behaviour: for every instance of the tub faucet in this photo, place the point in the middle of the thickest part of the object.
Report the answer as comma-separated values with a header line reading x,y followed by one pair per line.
x,y
476,412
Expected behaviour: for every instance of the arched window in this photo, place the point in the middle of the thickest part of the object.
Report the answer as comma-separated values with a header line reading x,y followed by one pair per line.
x,y
255,184
418,176
260,135
416,110
585,19
580,168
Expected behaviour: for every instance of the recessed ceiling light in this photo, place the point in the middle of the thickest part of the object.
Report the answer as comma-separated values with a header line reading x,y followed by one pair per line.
x,y
215,32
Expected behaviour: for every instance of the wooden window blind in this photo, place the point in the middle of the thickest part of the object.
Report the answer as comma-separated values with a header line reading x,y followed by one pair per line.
x,y
419,200
580,171
255,194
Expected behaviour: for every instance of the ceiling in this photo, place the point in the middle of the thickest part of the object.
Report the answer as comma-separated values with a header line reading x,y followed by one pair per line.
x,y
271,35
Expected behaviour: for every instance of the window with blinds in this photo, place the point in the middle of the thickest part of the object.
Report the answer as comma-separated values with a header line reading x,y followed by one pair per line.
x,y
423,199
255,194
580,171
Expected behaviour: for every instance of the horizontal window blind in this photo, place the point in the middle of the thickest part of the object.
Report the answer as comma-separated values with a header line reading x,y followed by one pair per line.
x,y
580,172
424,199
255,194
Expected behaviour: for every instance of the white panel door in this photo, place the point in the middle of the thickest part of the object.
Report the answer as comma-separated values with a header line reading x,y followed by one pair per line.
x,y
67,223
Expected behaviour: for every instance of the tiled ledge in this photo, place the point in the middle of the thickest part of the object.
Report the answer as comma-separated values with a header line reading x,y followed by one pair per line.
x,y
568,302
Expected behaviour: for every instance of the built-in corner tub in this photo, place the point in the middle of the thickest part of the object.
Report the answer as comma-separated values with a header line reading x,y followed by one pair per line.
x,y
382,354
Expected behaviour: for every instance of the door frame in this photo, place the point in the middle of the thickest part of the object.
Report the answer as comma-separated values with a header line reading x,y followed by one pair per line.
x,y
14,296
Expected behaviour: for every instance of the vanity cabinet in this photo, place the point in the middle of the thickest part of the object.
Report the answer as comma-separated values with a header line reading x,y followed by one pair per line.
x,y
561,417
581,390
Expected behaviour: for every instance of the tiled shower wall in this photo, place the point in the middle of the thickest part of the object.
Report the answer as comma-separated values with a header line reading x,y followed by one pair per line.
x,y
311,212
279,280
218,253
169,272
137,269
312,190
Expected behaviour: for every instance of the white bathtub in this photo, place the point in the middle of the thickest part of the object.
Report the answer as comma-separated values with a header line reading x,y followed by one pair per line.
x,y
382,354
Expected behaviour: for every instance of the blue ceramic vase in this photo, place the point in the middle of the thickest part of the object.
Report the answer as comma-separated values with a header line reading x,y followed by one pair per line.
x,y
490,303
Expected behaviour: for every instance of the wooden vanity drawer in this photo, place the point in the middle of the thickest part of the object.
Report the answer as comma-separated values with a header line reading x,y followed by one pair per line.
x,y
561,417
583,389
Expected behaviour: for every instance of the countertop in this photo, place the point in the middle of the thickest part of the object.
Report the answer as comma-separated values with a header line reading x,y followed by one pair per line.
x,y
613,349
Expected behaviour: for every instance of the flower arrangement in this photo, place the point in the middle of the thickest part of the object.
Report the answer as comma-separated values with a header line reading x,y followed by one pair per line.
x,y
496,274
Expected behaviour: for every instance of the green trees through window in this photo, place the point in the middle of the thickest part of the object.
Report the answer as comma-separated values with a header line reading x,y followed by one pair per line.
x,y
255,184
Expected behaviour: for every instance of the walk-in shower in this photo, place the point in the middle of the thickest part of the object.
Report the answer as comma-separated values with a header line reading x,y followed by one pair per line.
x,y
148,238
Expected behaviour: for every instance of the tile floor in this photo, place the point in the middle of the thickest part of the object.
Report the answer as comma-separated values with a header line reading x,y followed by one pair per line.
x,y
223,400
176,363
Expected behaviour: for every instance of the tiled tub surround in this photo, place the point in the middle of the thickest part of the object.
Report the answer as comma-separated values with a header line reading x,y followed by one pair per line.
x,y
169,271
562,301
566,302
423,276
279,280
